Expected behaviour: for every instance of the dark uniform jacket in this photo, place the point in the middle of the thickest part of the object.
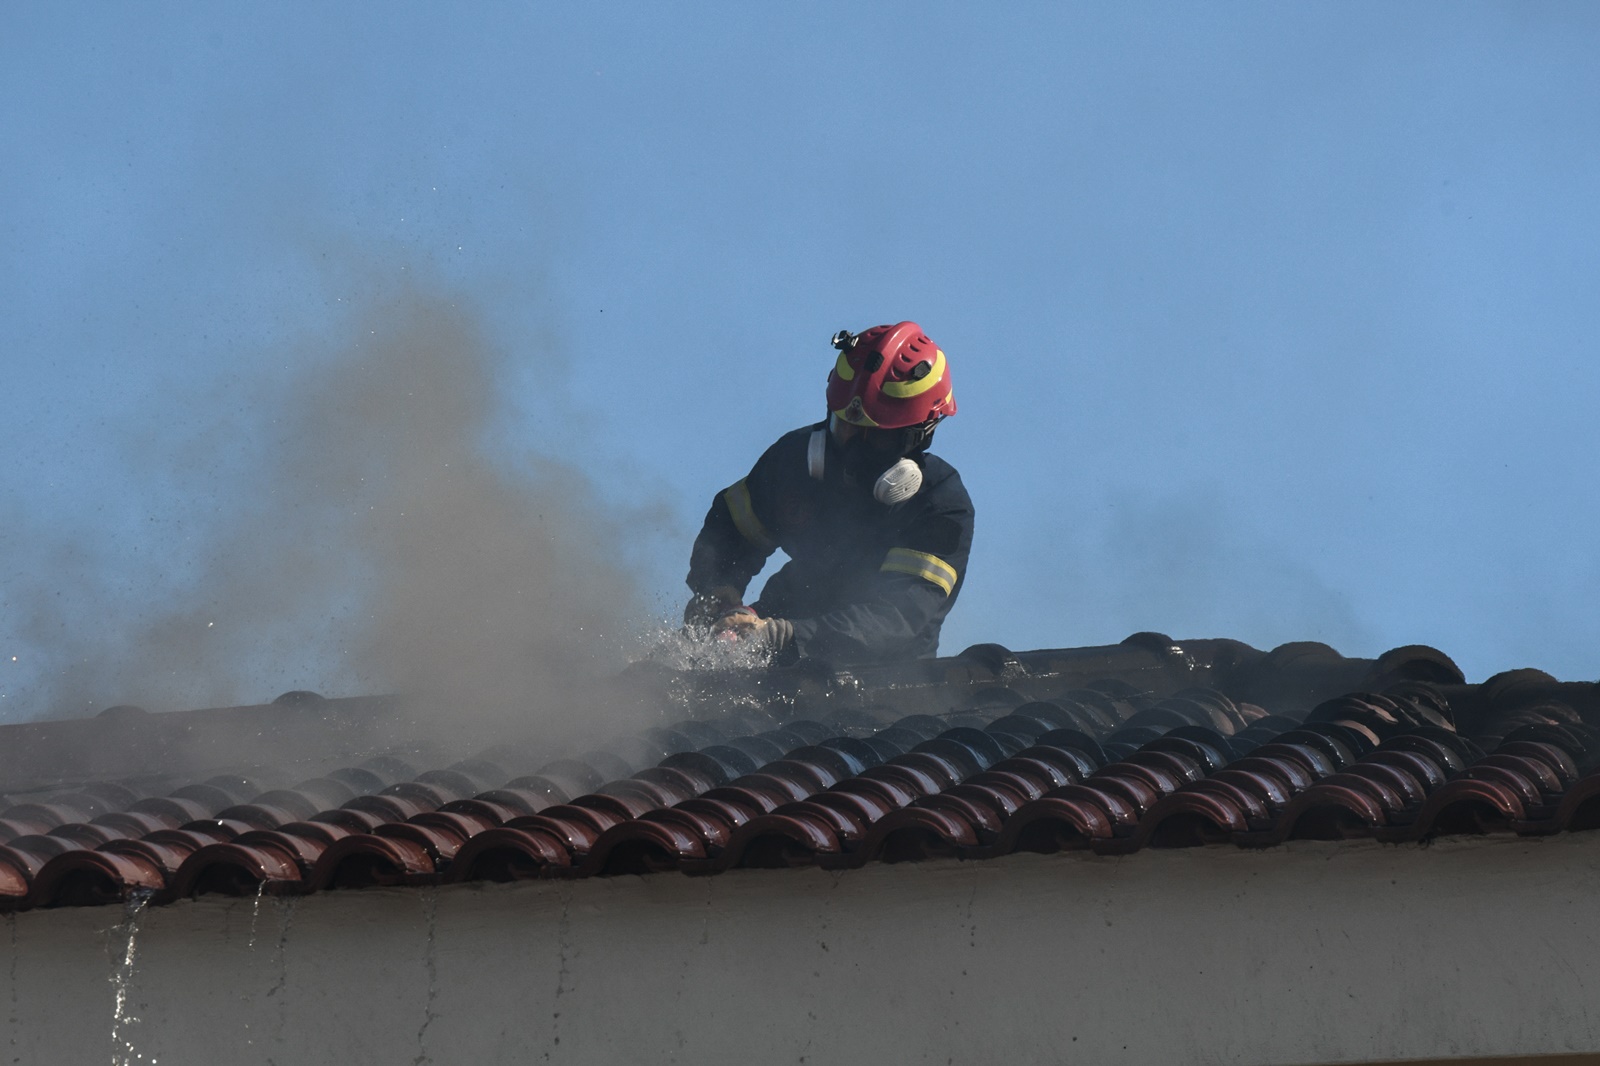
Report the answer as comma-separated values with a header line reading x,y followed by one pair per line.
x,y
865,582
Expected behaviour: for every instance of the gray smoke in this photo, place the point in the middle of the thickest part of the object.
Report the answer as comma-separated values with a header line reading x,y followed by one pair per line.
x,y
1183,566
377,534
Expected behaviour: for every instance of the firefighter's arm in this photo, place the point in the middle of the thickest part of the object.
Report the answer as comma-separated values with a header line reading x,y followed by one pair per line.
x,y
893,610
895,605
733,545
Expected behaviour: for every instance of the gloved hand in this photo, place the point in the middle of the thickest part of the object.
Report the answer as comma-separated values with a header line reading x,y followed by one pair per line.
x,y
704,608
747,627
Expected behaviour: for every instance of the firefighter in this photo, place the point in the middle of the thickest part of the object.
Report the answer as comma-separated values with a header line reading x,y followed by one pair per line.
x,y
876,528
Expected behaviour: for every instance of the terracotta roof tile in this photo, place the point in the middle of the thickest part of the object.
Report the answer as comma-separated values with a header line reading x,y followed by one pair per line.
x,y
980,755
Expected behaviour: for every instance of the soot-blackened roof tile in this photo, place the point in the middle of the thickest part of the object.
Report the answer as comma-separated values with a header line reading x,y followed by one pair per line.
x,y
1001,752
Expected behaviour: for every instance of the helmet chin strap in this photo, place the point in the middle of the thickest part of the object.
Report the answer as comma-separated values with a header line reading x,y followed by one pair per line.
x,y
895,485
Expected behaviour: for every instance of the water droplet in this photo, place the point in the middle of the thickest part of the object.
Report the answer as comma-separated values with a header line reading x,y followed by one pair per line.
x,y
122,1053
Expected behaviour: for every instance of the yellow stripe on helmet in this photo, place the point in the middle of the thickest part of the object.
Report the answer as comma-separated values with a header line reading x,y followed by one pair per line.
x,y
904,390
930,568
744,517
843,368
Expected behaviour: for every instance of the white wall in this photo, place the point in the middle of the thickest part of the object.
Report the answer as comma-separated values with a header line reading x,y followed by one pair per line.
x,y
1308,953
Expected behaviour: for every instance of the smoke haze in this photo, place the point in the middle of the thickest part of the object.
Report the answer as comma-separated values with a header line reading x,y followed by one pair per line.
x,y
381,540
1188,564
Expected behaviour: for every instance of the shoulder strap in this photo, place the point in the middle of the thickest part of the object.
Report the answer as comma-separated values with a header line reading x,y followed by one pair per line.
x,y
816,451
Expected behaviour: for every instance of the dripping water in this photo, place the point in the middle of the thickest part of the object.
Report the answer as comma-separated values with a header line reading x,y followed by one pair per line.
x,y
255,914
122,1050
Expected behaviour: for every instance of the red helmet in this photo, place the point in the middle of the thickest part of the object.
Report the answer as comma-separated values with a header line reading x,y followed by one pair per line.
x,y
890,377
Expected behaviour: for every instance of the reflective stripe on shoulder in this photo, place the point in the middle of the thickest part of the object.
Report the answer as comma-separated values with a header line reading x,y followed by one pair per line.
x,y
930,568
744,517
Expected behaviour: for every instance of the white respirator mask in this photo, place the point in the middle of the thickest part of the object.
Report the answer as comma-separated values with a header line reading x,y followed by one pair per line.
x,y
897,484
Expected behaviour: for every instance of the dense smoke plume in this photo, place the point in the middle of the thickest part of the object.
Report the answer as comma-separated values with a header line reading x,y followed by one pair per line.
x,y
382,541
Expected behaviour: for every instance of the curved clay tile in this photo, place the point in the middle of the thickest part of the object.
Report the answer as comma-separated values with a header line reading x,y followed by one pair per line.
x,y
1516,781
1541,773
846,822
859,806
779,840
937,768
714,817
509,854
1067,817
178,809
575,827
983,811
1465,805
363,860
1109,766
1401,791
1045,767
30,819
389,808
237,870
1311,758
1208,755
912,780
776,788
657,842
915,833
261,816
1559,760
1340,807
629,799
81,878
28,854
165,850
683,782
1290,774
14,881
1339,753
1137,786
87,834
1580,807
1191,817
1424,769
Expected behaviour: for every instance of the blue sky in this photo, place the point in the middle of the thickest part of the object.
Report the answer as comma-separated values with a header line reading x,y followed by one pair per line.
x,y
1273,322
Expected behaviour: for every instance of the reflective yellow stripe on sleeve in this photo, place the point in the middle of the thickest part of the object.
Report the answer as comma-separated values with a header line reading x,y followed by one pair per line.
x,y
930,568
744,517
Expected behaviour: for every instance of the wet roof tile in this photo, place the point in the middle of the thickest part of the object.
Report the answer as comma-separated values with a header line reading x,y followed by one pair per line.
x,y
1148,744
